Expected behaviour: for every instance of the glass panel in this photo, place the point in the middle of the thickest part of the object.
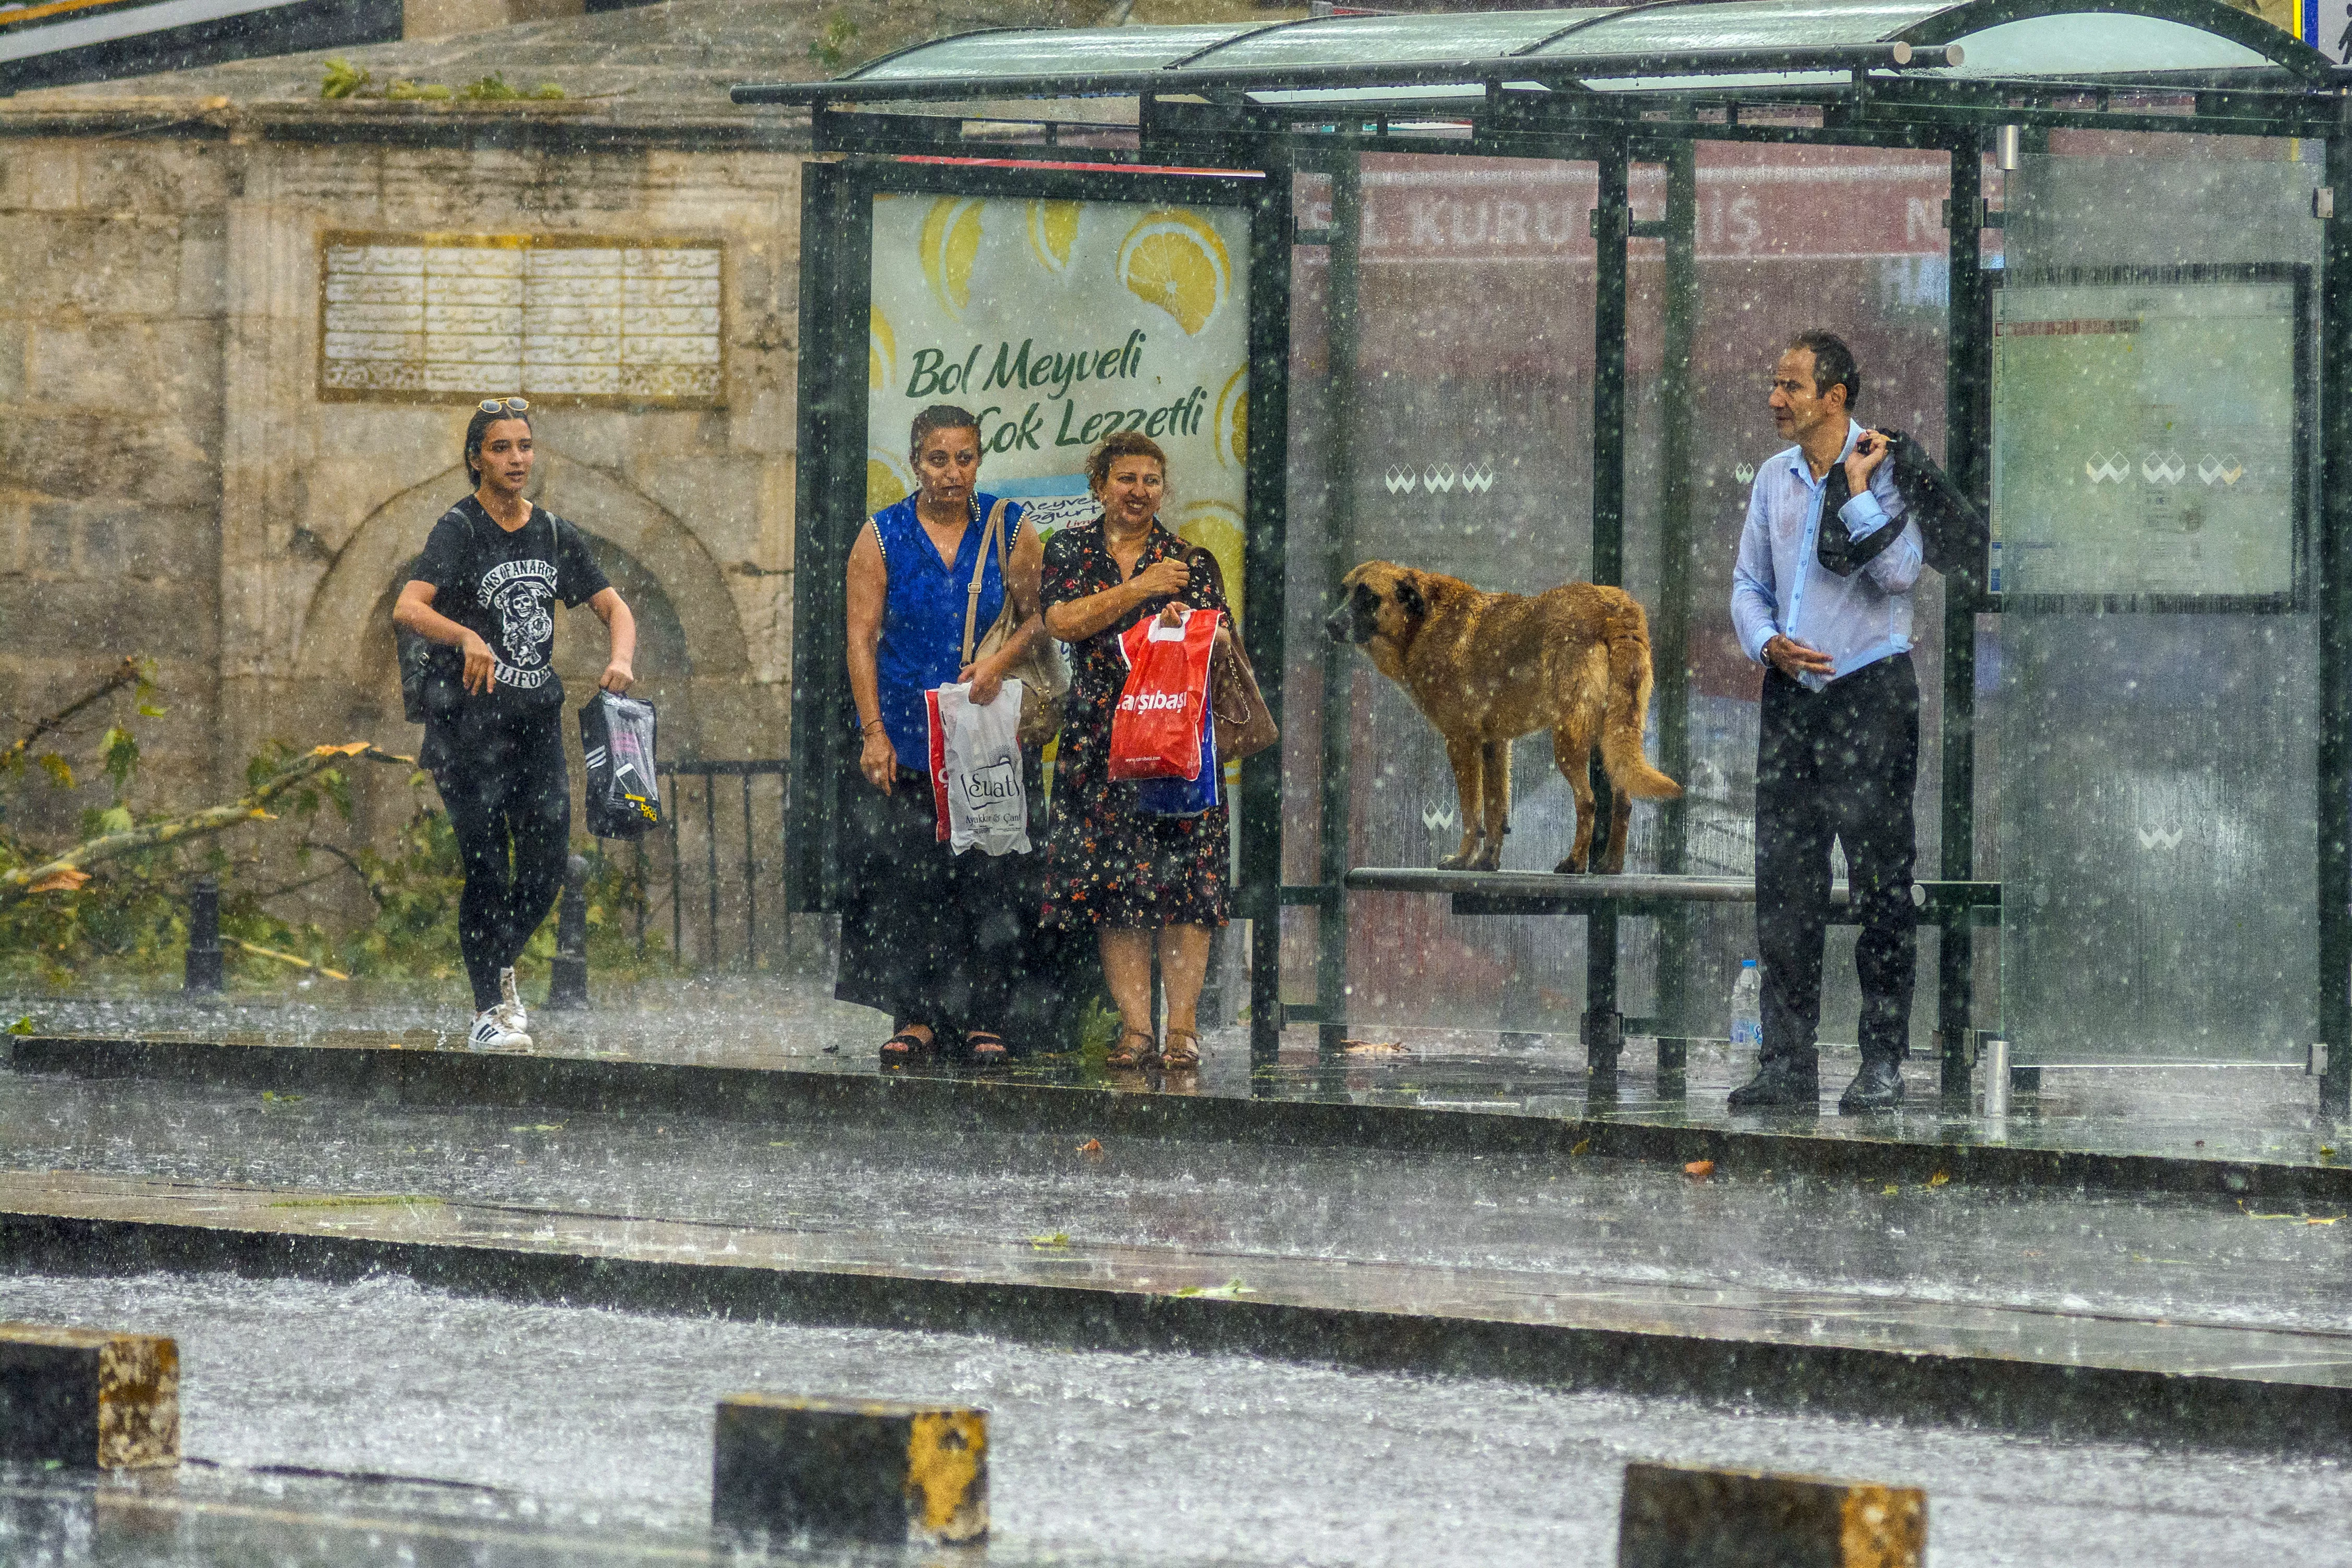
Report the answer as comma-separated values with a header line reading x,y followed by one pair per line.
x,y
1033,53
1742,24
1788,237
2155,756
1465,434
2095,46
1350,41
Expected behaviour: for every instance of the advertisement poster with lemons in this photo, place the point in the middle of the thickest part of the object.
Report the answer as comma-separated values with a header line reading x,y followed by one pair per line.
x,y
1057,323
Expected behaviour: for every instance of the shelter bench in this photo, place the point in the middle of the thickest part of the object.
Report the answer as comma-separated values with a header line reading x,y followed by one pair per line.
x,y
1601,899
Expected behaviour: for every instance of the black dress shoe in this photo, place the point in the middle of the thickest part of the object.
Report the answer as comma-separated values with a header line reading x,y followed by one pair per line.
x,y
1877,1086
1779,1085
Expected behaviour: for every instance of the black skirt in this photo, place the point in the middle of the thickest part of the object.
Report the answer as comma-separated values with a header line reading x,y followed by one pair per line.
x,y
933,937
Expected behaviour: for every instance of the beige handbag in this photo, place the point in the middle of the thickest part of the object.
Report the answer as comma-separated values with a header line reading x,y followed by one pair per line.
x,y
1043,677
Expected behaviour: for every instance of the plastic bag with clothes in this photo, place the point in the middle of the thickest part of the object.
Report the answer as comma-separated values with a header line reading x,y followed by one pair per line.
x,y
976,784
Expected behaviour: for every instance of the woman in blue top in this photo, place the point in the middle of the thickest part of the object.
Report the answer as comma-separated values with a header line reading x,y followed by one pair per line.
x,y
942,942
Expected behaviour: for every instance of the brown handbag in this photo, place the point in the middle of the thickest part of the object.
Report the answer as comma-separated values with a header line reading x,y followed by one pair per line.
x,y
1244,725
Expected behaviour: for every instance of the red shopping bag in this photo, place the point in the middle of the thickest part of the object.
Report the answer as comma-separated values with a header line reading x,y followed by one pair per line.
x,y
938,762
1155,732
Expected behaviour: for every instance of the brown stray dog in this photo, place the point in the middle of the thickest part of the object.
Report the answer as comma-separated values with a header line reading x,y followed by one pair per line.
x,y
1485,669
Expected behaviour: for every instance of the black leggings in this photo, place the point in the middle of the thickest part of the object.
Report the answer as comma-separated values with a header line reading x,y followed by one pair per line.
x,y
503,780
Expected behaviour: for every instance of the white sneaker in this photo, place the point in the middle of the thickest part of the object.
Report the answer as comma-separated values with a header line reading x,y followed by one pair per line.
x,y
509,1009
492,1033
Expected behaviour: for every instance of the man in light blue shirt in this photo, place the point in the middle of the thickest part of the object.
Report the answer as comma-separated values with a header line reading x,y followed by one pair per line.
x,y
1838,755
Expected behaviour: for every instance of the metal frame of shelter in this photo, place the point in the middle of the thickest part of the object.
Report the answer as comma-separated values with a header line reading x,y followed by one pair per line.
x,y
1642,83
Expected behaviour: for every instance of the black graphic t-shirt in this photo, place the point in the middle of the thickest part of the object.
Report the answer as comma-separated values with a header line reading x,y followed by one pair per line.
x,y
504,586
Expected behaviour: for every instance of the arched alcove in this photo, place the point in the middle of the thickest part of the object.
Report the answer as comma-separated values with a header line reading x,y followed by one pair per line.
x,y
688,634
346,637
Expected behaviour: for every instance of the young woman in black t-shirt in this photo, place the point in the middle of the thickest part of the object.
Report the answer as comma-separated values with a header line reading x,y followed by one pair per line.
x,y
486,585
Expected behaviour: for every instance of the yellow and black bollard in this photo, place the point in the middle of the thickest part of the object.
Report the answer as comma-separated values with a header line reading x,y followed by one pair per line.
x,y
1677,1516
865,1470
89,1398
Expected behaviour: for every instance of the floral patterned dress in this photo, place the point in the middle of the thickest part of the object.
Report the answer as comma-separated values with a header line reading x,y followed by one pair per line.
x,y
1106,862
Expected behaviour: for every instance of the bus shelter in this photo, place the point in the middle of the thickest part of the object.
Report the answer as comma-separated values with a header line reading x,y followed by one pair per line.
x,y
1497,295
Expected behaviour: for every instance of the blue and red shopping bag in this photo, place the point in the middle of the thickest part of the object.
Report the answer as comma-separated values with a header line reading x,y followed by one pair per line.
x,y
1155,732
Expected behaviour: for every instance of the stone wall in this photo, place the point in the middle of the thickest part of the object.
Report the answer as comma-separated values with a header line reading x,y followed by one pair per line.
x,y
171,483
111,324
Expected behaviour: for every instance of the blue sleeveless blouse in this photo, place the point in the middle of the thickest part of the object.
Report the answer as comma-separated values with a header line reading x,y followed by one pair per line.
x,y
923,618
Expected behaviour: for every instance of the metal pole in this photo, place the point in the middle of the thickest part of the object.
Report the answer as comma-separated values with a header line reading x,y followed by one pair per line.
x,y
1996,1091
751,884
567,981
2335,606
203,972
1264,573
1612,219
711,860
1966,389
676,907
1343,316
1670,632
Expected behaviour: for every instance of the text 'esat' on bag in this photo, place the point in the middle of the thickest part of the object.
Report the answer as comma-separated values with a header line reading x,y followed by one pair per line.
x,y
617,743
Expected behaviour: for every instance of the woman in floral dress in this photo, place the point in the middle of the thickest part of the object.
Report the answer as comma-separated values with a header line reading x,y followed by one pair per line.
x,y
1138,879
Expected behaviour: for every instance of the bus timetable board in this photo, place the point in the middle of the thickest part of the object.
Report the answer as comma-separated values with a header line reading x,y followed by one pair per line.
x,y
2150,436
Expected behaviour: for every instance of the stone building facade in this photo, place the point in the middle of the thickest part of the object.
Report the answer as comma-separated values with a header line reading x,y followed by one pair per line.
x,y
179,481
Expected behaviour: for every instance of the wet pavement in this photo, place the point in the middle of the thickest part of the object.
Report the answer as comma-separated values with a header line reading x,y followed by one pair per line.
x,y
1585,1218
2030,1311
2253,1114
581,1433
592,1428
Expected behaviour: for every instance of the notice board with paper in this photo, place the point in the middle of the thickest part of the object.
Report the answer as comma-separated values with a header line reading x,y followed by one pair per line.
x,y
2151,437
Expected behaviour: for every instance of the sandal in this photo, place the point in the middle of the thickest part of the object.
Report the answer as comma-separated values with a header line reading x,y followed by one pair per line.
x,y
987,1048
905,1047
1181,1058
1125,1056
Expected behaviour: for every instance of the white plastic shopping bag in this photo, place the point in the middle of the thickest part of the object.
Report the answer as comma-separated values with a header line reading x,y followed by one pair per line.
x,y
976,770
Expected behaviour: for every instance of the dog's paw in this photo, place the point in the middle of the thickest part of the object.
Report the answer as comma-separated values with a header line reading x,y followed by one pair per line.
x,y
1458,863
1569,866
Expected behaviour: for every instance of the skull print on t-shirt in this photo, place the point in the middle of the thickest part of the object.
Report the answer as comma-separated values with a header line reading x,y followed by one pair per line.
x,y
504,585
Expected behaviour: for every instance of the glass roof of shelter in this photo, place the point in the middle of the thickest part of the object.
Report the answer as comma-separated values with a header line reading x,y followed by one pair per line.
x,y
1662,46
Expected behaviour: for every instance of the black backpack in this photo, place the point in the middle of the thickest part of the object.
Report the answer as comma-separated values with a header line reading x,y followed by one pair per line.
x,y
432,678
1952,533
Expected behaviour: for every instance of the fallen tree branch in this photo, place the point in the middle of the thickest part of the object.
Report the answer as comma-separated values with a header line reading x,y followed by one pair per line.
x,y
71,869
125,674
259,951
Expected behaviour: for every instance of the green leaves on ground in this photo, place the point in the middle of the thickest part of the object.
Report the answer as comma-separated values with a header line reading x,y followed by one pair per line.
x,y
345,80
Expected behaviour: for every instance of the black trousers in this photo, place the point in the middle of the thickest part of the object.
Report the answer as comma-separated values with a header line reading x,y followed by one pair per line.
x,y
1837,766
503,780
933,937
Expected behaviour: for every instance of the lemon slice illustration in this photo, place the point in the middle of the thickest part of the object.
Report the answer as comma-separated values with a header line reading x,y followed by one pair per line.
x,y
1232,421
889,480
951,241
881,350
1216,527
1052,232
1175,260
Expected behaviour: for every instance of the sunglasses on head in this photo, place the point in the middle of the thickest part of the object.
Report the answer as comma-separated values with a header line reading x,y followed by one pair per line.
x,y
510,405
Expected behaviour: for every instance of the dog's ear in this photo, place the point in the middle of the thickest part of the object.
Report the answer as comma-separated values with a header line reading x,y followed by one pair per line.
x,y
1408,596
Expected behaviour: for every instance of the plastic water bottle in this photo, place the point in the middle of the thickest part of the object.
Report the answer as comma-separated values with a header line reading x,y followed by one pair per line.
x,y
1748,1012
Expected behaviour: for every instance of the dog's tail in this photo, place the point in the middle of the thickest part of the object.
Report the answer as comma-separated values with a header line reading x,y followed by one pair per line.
x,y
1626,715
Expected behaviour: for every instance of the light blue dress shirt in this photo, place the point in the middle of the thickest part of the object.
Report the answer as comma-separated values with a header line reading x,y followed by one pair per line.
x,y
1779,585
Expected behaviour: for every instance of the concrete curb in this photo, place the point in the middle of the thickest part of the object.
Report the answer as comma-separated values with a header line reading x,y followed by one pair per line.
x,y
2193,1409
431,1078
